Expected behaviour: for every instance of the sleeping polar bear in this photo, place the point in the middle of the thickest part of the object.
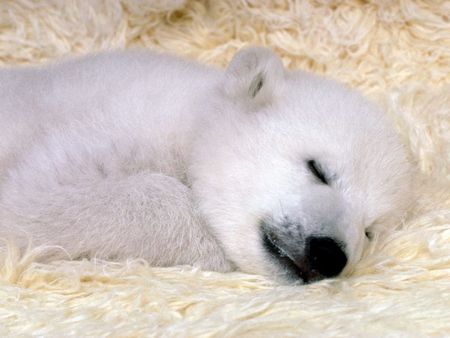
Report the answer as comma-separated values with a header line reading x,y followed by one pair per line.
x,y
136,154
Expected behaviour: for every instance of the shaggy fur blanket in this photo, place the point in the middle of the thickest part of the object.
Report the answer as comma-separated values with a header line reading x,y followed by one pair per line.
x,y
397,52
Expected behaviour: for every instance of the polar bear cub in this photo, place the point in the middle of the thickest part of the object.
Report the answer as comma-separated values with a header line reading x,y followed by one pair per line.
x,y
137,154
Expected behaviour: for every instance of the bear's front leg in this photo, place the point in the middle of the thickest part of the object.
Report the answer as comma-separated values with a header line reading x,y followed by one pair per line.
x,y
146,215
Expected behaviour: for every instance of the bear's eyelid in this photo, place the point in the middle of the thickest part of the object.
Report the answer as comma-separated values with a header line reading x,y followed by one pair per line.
x,y
256,85
317,171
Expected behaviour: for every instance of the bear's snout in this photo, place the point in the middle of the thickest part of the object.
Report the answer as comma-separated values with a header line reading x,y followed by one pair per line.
x,y
310,259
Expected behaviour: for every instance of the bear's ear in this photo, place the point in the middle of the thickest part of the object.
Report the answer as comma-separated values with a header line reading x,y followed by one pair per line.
x,y
253,76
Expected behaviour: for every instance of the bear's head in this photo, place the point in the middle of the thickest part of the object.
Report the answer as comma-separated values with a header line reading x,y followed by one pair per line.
x,y
292,171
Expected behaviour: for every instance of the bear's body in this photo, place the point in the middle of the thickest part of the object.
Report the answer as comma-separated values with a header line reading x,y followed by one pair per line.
x,y
85,146
136,154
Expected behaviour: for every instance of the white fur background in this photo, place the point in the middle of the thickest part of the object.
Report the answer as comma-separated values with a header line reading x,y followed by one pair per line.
x,y
397,52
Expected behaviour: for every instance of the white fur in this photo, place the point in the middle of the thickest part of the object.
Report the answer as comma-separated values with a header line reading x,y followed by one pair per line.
x,y
135,154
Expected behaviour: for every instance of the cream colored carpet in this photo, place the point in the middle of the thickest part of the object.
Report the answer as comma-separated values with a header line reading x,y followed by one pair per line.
x,y
397,52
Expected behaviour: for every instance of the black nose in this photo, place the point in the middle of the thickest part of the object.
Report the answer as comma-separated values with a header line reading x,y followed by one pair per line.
x,y
325,256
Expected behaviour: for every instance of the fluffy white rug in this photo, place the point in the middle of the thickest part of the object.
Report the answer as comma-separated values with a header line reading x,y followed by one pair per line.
x,y
397,52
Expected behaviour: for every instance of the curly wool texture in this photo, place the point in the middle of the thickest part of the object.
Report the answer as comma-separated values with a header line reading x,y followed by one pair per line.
x,y
396,52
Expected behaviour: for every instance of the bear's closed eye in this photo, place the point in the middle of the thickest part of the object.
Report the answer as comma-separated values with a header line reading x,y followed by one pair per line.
x,y
317,171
